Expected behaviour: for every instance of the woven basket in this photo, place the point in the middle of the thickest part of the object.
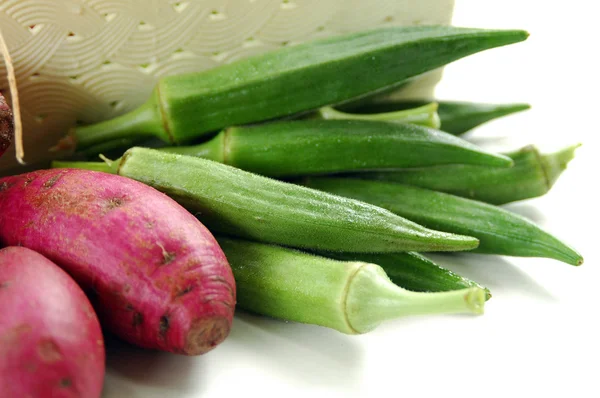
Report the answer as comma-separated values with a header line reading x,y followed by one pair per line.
x,y
88,60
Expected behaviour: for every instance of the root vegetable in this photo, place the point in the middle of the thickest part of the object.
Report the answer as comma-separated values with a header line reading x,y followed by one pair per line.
x,y
51,344
157,276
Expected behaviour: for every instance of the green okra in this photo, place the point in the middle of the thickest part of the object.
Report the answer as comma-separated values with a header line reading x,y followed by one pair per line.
x,y
235,202
456,117
425,115
499,231
349,296
291,80
532,175
301,147
412,271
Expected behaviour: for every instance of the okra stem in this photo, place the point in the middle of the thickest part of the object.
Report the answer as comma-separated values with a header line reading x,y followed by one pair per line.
x,y
555,163
455,117
372,298
424,115
136,125
351,297
215,149
94,166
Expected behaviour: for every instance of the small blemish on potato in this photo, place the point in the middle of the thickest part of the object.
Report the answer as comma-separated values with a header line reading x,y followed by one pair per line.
x,y
28,181
52,181
65,382
164,325
114,203
168,257
138,319
49,351
4,285
184,291
30,367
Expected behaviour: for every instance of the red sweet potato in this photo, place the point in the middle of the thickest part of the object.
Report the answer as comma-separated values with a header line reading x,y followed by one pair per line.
x,y
51,344
6,125
155,274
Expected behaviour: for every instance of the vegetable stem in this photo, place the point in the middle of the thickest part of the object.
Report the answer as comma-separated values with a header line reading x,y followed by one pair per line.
x,y
553,164
425,115
213,149
94,166
456,117
372,299
144,121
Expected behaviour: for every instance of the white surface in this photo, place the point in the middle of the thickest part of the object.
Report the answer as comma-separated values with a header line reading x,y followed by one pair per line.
x,y
539,336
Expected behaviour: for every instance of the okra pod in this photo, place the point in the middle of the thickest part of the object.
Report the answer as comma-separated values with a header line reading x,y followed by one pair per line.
x,y
235,202
456,117
425,115
291,80
412,271
349,296
532,175
499,231
301,147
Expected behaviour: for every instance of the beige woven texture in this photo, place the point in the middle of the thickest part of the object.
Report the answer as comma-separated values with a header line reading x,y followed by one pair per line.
x,y
89,60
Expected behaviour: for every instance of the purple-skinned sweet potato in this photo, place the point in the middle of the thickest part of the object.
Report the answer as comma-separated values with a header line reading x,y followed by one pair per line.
x,y
6,125
156,276
51,343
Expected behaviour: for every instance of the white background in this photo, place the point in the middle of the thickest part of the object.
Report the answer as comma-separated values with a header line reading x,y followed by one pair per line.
x,y
539,335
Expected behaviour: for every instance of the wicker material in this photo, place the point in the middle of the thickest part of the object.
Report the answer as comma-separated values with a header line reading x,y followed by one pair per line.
x,y
88,60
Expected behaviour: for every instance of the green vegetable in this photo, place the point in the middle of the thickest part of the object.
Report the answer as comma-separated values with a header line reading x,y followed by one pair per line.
x,y
351,297
303,147
291,80
424,115
499,231
532,175
235,202
455,117
412,271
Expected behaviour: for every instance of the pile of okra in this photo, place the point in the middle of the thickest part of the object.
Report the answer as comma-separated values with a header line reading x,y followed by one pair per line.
x,y
325,194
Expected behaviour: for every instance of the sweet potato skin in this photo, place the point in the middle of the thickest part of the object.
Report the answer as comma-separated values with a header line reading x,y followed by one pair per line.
x,y
51,344
155,274
6,125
